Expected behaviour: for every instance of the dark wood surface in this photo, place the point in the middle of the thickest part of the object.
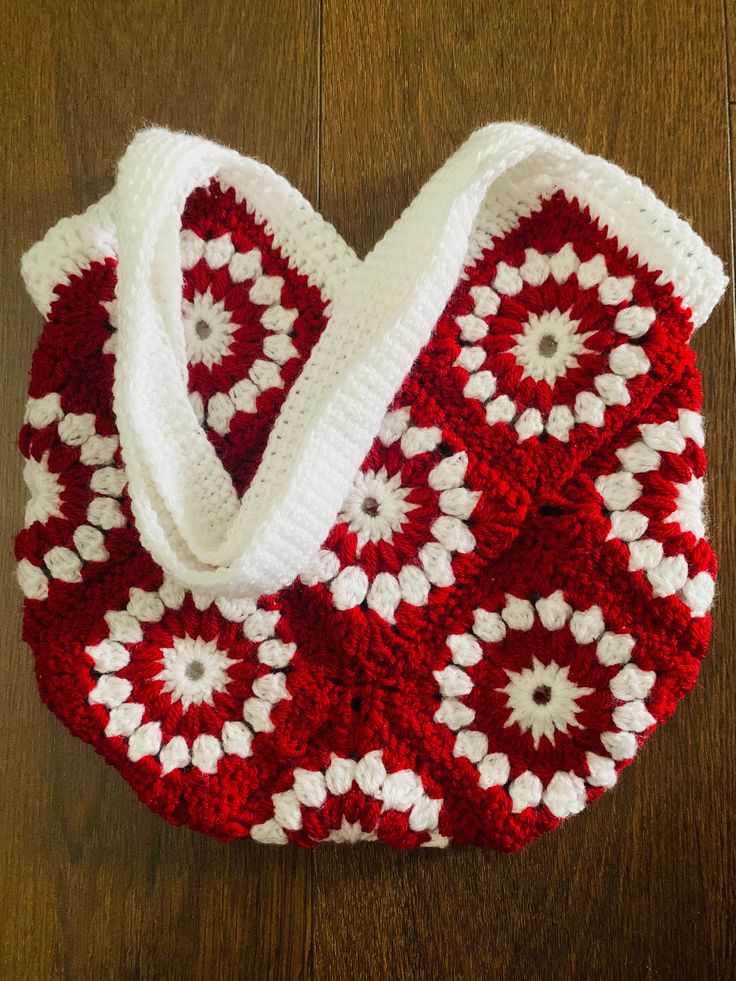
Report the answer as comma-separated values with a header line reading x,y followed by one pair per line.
x,y
357,103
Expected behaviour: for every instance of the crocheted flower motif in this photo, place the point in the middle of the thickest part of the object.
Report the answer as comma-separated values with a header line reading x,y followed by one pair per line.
x,y
405,518
652,490
250,322
556,353
553,341
556,331
74,486
514,593
188,686
544,700
351,801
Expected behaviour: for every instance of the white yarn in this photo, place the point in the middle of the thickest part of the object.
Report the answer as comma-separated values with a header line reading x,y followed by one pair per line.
x,y
565,794
587,625
382,313
525,791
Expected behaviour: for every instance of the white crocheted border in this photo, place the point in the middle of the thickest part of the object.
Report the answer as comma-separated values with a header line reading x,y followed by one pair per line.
x,y
382,313
73,244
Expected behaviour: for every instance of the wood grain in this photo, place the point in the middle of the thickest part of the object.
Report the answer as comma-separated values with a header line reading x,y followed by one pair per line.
x,y
729,14
357,104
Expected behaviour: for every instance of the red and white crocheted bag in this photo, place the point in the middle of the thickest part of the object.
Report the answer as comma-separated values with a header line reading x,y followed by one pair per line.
x,y
407,549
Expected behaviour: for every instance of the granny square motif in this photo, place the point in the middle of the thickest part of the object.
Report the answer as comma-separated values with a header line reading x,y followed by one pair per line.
x,y
407,549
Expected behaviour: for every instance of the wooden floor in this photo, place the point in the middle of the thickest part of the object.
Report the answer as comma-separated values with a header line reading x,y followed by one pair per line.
x,y
357,103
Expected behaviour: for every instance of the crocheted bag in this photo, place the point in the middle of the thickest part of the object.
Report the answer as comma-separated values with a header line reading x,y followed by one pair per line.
x,y
407,549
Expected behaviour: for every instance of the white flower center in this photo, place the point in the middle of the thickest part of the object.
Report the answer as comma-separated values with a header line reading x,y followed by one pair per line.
x,y
376,506
44,489
543,700
193,670
208,329
548,345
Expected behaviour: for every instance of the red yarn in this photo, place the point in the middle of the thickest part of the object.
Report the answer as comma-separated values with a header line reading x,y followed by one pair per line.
x,y
347,684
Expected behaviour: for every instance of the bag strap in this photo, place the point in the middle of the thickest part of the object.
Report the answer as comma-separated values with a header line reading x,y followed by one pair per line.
x,y
382,313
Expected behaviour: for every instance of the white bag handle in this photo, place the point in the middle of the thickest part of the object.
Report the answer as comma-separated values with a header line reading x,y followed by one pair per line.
x,y
382,313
